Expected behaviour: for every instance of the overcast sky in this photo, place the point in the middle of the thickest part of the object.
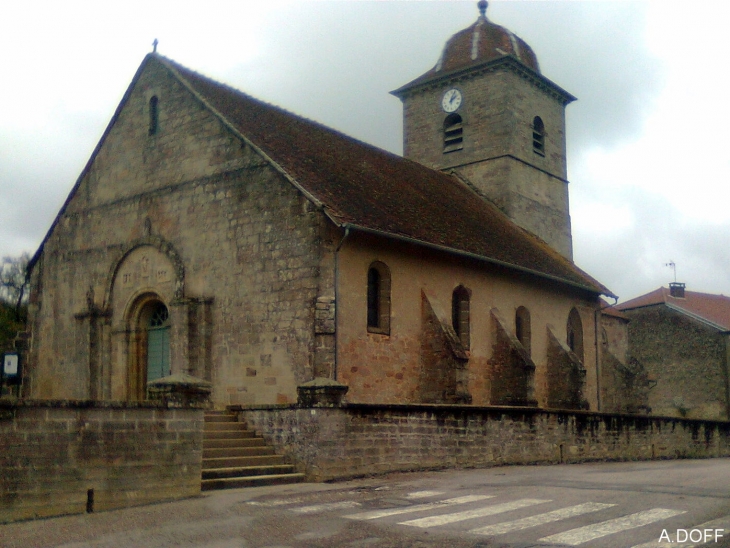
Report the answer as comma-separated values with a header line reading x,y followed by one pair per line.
x,y
648,153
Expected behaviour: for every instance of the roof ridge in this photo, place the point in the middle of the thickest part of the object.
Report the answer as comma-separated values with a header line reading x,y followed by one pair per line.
x,y
359,184
281,110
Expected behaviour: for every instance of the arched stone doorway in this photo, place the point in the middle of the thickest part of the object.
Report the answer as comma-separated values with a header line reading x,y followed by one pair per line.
x,y
149,340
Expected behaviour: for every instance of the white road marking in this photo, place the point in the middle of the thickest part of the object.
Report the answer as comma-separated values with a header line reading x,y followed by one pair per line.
x,y
540,519
375,514
664,542
423,494
435,521
325,507
574,537
276,502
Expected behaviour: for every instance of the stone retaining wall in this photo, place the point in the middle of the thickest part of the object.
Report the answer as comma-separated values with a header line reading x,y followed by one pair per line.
x,y
359,439
70,457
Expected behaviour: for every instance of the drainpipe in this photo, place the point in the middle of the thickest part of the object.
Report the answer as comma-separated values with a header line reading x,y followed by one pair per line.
x,y
337,298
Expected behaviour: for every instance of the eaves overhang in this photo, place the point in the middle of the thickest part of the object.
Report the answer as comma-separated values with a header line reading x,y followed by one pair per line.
x,y
461,253
696,317
508,62
721,328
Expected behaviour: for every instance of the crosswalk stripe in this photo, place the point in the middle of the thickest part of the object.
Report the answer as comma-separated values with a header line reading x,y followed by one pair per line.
x,y
423,494
574,537
375,514
661,543
325,507
276,502
435,521
540,519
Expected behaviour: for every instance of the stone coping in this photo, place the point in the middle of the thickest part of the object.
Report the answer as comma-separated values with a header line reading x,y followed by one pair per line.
x,y
465,408
10,403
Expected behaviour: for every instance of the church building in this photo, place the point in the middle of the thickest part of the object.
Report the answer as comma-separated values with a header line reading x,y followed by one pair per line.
x,y
214,235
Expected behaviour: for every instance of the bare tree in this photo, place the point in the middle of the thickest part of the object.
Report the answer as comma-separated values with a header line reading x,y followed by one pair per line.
x,y
14,282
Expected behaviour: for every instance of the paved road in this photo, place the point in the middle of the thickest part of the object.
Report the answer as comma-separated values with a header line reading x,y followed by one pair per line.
x,y
607,505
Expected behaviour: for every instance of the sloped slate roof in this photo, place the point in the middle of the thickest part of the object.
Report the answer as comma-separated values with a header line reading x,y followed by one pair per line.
x,y
711,309
362,186
366,188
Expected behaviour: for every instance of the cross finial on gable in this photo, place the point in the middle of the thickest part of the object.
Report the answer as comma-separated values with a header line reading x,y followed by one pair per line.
x,y
154,46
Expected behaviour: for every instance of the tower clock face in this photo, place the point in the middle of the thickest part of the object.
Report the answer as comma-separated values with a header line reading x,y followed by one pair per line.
x,y
451,100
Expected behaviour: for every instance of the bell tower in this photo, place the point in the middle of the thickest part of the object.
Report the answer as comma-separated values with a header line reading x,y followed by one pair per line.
x,y
486,112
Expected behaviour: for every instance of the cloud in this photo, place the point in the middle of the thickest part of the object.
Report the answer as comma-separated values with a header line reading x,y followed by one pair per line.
x,y
646,139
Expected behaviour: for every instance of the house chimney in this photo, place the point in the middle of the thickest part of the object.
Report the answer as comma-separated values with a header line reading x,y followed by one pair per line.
x,y
676,290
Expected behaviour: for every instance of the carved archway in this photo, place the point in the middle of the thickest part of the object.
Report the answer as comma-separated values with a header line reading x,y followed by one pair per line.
x,y
176,276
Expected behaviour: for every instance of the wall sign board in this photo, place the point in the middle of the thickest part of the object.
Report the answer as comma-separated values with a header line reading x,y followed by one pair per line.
x,y
11,366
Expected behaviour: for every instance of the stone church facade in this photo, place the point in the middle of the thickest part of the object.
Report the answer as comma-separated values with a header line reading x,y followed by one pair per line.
x,y
214,235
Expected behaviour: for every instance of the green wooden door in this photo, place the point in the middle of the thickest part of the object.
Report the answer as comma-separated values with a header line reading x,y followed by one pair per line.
x,y
158,344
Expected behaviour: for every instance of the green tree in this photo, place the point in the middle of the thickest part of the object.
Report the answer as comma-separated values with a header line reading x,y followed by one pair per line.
x,y
13,297
14,283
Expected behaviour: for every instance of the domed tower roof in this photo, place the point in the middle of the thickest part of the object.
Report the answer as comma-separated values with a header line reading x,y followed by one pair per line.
x,y
483,41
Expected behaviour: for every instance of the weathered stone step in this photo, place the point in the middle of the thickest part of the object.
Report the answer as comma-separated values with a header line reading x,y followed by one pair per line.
x,y
227,434
247,471
227,443
232,462
226,426
251,481
234,456
219,416
237,452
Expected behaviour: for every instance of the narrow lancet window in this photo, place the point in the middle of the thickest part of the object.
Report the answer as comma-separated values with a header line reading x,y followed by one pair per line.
x,y
378,298
154,115
460,315
575,333
538,136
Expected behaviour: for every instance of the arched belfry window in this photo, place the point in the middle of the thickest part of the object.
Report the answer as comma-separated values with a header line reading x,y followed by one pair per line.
x,y
538,136
575,333
378,298
154,114
523,329
158,342
460,319
453,133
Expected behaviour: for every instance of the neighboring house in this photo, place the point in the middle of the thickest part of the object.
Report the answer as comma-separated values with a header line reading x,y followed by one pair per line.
x,y
623,382
680,338
215,235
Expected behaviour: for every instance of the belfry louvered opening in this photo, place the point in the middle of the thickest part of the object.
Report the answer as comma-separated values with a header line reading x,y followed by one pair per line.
x,y
453,133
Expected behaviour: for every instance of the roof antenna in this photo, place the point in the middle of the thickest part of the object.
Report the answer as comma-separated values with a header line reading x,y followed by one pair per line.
x,y
482,5
673,266
154,45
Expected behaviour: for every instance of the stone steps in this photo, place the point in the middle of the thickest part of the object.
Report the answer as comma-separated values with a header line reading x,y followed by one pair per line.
x,y
250,481
234,456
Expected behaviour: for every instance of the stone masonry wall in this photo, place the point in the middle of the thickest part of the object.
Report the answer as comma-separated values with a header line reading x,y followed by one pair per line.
x,y
194,216
497,157
363,439
72,457
686,359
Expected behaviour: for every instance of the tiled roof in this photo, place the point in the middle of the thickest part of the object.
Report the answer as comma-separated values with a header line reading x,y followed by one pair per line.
x,y
712,309
483,41
363,186
611,310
